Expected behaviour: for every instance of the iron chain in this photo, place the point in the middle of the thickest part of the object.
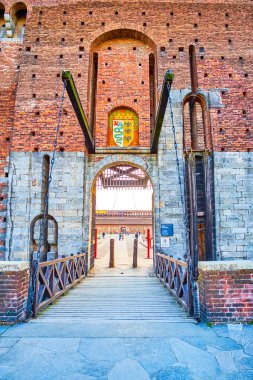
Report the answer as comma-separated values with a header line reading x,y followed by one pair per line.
x,y
194,285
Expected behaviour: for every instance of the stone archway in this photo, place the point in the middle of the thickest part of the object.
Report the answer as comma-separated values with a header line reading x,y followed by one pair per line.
x,y
147,165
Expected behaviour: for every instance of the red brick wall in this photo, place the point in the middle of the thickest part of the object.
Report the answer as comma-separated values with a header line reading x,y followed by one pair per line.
x,y
10,56
13,295
226,295
169,31
123,80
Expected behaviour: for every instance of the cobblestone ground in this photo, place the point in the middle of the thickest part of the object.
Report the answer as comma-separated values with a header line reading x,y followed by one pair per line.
x,y
125,350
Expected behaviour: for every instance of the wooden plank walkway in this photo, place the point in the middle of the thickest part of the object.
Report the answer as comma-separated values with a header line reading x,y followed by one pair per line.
x,y
129,298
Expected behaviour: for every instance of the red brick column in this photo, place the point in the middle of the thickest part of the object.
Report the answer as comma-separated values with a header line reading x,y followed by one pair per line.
x,y
14,282
226,291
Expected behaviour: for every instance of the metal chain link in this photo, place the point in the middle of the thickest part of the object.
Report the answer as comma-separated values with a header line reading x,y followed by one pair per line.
x,y
194,285
36,257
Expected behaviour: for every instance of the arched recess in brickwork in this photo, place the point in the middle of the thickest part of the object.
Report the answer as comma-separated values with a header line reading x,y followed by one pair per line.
x,y
197,129
18,14
122,34
122,71
50,236
199,193
123,127
2,21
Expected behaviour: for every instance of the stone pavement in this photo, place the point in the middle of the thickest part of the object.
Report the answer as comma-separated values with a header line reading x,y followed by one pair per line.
x,y
126,351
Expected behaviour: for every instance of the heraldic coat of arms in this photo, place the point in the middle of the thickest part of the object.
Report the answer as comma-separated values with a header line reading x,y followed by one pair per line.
x,y
123,125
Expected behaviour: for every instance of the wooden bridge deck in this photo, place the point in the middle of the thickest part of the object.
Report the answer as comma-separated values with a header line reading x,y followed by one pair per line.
x,y
112,298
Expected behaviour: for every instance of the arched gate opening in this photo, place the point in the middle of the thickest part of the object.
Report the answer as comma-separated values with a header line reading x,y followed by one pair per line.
x,y
122,211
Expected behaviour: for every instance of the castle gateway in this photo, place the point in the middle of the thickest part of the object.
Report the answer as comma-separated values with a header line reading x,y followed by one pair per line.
x,y
161,88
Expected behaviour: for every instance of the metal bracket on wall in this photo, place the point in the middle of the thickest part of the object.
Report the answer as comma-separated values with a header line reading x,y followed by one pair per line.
x,y
167,83
77,105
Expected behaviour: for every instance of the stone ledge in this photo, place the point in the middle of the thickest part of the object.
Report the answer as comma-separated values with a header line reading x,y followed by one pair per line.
x,y
229,265
13,266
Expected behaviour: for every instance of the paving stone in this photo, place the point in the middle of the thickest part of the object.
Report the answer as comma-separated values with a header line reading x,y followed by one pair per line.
x,y
97,368
244,362
7,342
194,358
197,342
79,376
249,349
128,369
237,375
59,344
111,349
3,350
226,360
223,343
19,352
153,354
31,368
174,372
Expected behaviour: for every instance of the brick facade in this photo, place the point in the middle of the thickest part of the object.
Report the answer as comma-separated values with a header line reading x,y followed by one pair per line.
x,y
62,36
14,281
226,291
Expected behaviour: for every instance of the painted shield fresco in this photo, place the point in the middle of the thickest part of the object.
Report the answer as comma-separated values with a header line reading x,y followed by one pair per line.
x,y
123,128
123,132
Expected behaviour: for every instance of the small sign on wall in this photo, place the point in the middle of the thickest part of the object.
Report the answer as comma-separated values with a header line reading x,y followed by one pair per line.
x,y
167,230
165,242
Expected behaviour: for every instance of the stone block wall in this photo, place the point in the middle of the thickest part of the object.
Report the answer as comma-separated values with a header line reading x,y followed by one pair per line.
x,y
233,185
170,208
14,283
66,203
226,291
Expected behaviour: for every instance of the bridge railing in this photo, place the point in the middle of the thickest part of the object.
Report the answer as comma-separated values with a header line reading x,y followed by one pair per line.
x,y
174,274
55,278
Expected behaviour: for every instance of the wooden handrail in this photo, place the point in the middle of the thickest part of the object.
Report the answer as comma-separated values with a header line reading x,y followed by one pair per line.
x,y
55,278
179,262
60,260
174,274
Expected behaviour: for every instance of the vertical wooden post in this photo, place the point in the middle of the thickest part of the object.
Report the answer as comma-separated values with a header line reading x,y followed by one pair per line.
x,y
194,246
208,208
135,252
95,243
148,243
111,262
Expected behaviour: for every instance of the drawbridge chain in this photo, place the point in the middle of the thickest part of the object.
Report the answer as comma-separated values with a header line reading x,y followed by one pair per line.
x,y
36,257
188,257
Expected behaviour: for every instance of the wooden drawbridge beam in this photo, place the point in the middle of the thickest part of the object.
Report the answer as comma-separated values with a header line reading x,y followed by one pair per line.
x,y
167,83
77,105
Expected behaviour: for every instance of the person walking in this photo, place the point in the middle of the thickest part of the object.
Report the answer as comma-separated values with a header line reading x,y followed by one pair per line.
x,y
136,235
